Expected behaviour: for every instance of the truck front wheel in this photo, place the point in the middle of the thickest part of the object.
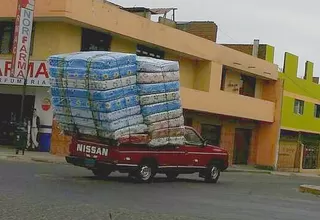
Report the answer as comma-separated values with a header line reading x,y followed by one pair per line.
x,y
101,173
212,174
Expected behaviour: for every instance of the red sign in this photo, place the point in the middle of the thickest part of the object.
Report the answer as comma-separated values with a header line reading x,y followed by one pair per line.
x,y
22,39
37,74
46,104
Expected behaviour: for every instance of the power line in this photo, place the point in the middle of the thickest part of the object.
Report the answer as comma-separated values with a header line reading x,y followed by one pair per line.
x,y
224,33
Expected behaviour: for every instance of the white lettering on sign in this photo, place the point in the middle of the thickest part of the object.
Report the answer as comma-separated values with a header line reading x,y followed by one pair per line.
x,y
37,74
92,149
22,39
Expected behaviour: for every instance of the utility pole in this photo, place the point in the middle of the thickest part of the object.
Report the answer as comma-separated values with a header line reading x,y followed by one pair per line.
x,y
20,61
22,44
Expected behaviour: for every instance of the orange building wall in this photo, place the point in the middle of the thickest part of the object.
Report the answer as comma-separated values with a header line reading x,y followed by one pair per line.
x,y
269,132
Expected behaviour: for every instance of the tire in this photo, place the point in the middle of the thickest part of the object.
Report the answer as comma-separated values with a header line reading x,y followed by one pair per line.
x,y
101,173
145,173
172,176
212,174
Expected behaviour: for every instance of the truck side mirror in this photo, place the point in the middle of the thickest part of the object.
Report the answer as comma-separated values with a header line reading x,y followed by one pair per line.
x,y
205,143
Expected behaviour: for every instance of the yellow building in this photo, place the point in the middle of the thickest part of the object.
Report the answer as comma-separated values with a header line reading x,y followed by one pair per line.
x,y
232,98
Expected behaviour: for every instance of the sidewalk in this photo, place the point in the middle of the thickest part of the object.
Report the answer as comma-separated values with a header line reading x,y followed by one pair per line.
x,y
9,153
310,189
252,169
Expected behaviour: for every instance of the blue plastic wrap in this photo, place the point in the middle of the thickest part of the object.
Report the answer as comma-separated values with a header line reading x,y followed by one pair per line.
x,y
93,74
107,95
148,64
93,84
93,59
160,107
100,116
156,88
99,106
147,89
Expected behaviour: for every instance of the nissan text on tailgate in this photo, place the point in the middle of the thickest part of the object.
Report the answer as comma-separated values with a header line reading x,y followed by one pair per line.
x,y
143,162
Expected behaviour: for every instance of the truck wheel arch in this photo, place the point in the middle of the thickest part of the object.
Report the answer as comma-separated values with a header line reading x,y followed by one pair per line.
x,y
149,160
218,163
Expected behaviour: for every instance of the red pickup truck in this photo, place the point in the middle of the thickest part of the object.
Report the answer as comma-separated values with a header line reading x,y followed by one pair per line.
x,y
143,162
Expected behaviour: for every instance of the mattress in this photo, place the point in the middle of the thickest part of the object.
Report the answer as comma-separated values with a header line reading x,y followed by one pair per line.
x,y
135,129
93,84
92,59
160,107
108,117
98,95
162,116
157,77
156,88
157,98
93,74
99,106
147,64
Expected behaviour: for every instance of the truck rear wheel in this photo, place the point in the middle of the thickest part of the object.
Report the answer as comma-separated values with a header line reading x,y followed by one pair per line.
x,y
101,173
145,173
212,174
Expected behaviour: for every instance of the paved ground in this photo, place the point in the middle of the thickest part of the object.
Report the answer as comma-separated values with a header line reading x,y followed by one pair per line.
x,y
56,191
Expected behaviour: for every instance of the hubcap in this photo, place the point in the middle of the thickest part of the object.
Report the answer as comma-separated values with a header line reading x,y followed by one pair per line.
x,y
214,172
145,172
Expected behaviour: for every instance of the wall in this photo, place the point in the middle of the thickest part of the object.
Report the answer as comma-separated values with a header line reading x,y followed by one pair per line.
x,y
201,60
228,127
55,38
42,94
204,29
303,89
268,133
232,82
187,69
95,14
119,44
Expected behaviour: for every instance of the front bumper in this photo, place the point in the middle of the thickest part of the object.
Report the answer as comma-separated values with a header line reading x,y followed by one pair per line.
x,y
81,162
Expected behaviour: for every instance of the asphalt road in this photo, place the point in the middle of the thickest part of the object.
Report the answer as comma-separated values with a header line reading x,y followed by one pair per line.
x,y
47,191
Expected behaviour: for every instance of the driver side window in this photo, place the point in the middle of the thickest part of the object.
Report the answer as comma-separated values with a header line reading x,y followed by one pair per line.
x,y
192,138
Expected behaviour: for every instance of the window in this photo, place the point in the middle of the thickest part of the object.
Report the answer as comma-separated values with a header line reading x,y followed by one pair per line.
x,y
248,87
95,41
192,138
188,121
211,133
317,111
7,35
298,107
149,52
223,78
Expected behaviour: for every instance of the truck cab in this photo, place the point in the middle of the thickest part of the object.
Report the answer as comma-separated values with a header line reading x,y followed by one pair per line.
x,y
143,162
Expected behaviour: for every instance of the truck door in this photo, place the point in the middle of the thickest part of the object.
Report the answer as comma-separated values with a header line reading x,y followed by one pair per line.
x,y
193,155
168,156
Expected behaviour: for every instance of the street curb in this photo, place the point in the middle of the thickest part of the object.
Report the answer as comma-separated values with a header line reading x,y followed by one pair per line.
x,y
249,171
41,160
31,159
315,190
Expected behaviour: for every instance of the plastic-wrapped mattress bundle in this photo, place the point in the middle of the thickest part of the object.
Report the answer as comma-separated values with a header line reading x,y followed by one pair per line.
x,y
158,85
95,93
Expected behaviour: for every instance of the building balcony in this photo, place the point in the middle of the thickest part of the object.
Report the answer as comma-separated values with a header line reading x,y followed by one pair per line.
x,y
226,103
